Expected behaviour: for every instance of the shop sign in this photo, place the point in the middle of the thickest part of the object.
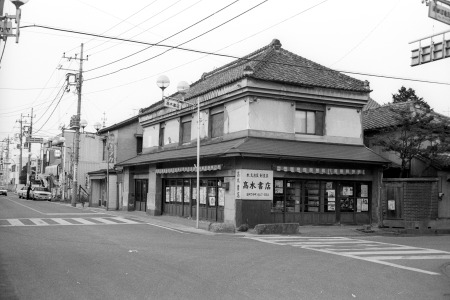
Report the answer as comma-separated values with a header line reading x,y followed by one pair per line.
x,y
254,184
439,12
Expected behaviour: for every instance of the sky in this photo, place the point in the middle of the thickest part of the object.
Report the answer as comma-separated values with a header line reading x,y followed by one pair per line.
x,y
369,38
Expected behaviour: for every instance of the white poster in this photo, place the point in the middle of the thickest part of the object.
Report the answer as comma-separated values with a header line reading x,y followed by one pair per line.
x,y
365,205
254,184
391,204
364,190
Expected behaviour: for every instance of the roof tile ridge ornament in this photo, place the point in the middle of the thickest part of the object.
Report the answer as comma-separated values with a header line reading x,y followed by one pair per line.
x,y
269,51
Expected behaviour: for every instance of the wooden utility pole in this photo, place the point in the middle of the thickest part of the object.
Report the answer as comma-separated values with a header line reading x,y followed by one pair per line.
x,y
77,132
30,132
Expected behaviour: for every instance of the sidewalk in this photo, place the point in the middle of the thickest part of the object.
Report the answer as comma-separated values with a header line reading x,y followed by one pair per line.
x,y
189,225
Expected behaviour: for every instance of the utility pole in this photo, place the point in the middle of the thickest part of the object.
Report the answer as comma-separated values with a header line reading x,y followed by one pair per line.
x,y
79,85
7,162
30,132
20,139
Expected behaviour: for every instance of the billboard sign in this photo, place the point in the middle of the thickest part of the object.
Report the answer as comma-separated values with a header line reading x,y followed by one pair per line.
x,y
439,12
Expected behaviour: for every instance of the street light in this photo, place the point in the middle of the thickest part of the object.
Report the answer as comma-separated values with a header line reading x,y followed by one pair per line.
x,y
97,126
83,124
5,21
163,82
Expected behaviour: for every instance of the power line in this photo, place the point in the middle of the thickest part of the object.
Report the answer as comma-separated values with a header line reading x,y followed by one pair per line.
x,y
48,107
186,28
163,21
177,47
62,94
132,15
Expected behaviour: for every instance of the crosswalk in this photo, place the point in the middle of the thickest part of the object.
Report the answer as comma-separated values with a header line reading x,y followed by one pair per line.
x,y
377,252
68,221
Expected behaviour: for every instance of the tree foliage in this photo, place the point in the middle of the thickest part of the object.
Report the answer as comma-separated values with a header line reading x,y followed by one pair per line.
x,y
405,95
416,131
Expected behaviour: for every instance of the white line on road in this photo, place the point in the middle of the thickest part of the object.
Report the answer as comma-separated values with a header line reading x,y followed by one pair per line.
x,y
16,222
38,222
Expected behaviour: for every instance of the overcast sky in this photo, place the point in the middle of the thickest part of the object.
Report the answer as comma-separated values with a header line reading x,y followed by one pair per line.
x,y
361,36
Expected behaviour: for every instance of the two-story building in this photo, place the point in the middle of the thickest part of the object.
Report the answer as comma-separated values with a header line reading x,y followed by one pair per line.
x,y
120,142
281,141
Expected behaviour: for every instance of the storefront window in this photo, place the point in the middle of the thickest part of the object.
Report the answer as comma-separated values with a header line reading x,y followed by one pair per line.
x,y
330,196
320,196
347,197
312,196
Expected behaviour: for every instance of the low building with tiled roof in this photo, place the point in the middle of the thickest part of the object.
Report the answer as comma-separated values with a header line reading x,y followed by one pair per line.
x,y
281,140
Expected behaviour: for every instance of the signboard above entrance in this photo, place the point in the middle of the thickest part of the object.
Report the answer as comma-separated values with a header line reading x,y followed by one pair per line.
x,y
254,184
439,12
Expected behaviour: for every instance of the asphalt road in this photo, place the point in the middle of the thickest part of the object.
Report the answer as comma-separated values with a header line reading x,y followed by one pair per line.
x,y
51,251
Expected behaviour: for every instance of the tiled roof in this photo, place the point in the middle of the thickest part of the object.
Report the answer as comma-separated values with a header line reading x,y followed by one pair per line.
x,y
273,63
371,104
382,116
257,147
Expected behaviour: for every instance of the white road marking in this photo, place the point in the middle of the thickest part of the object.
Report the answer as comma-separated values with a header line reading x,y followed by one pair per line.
x,y
61,221
16,222
83,221
376,252
39,222
49,214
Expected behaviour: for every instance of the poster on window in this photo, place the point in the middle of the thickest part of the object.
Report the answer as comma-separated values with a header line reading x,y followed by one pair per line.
x,y
194,193
173,192
203,195
254,184
221,197
167,194
212,201
331,206
179,193
347,191
364,190
186,194
358,204
391,204
331,194
365,204
329,185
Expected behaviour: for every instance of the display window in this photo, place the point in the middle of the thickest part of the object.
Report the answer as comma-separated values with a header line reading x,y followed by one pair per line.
x,y
184,191
320,196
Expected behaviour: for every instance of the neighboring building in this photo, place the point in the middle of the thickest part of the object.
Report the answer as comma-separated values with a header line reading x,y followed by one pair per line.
x,y
375,119
281,141
124,142
59,159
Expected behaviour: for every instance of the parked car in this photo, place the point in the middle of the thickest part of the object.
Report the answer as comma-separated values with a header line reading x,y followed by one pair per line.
x,y
3,191
22,193
40,193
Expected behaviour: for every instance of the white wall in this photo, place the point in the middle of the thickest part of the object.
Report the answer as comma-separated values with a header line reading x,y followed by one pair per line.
x,y
343,122
236,116
271,115
150,137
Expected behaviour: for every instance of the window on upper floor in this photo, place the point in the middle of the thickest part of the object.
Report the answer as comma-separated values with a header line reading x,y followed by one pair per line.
x,y
185,129
161,134
138,144
309,119
216,119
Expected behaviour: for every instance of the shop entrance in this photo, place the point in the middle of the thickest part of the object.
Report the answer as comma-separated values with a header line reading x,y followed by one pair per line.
x,y
180,198
141,190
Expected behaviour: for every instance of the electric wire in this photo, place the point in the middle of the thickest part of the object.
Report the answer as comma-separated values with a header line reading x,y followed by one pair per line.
x,y
146,48
62,94
157,24
3,51
48,107
200,35
132,15
235,57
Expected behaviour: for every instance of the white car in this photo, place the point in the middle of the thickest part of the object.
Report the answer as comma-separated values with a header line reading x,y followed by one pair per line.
x,y
40,193
22,193
3,191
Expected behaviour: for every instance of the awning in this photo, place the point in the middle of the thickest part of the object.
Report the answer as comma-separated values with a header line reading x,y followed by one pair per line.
x,y
189,169
322,171
267,148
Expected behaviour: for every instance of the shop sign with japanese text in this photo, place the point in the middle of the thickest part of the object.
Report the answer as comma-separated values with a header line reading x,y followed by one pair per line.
x,y
254,184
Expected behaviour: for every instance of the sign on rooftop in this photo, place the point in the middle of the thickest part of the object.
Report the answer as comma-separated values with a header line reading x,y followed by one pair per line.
x,y
439,11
